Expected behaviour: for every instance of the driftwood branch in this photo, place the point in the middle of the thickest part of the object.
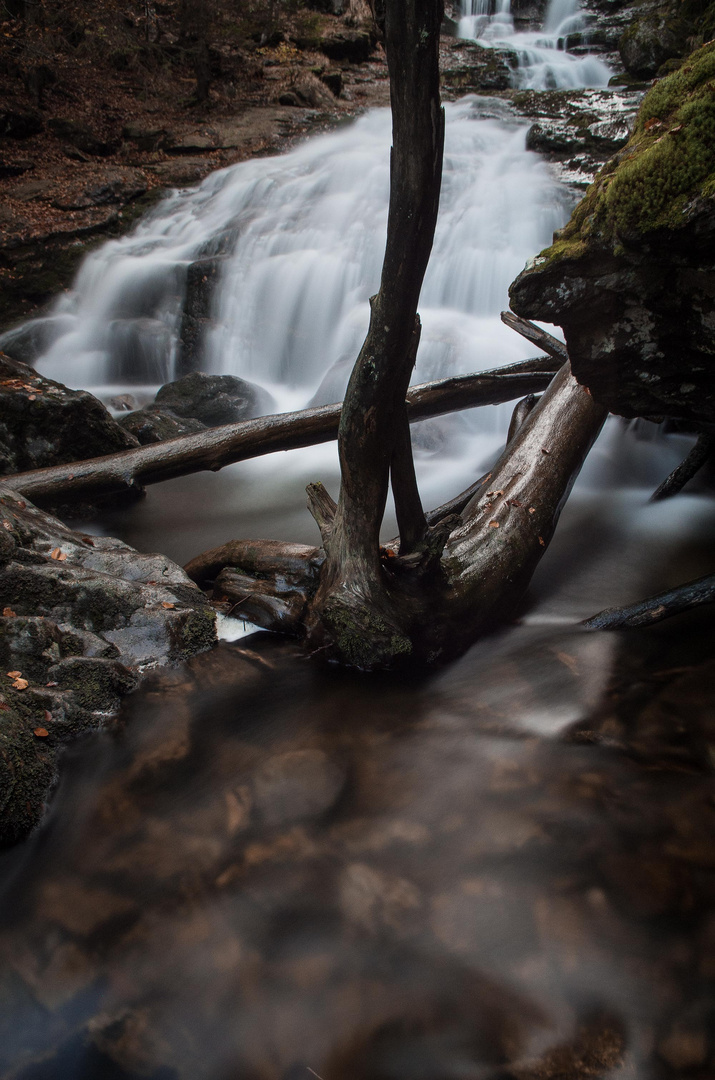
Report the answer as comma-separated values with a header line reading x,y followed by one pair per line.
x,y
296,563
654,608
704,448
536,335
220,446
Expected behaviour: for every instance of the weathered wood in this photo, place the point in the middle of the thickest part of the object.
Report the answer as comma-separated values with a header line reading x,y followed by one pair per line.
x,y
674,483
372,410
293,562
264,603
408,504
536,335
217,447
322,506
651,610
521,411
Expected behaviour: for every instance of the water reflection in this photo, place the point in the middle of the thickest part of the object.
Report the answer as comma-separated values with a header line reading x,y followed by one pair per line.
x,y
278,871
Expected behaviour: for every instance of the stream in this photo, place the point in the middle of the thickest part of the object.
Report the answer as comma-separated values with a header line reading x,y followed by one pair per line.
x,y
268,869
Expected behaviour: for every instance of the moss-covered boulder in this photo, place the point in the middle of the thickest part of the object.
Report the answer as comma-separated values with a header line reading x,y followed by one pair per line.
x,y
81,617
657,36
631,279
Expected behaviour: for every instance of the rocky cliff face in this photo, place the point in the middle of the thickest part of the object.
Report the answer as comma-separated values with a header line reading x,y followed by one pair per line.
x,y
631,279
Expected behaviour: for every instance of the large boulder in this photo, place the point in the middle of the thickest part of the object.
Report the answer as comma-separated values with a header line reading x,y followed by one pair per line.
x,y
194,403
631,279
44,423
82,618
660,34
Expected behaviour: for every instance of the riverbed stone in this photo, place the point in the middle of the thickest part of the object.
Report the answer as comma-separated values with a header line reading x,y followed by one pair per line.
x,y
82,618
296,785
631,279
212,399
44,423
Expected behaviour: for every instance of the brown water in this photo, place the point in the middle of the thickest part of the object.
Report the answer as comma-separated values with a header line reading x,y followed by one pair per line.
x,y
501,869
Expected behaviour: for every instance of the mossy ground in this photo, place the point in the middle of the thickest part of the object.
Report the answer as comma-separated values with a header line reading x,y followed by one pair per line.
x,y
668,162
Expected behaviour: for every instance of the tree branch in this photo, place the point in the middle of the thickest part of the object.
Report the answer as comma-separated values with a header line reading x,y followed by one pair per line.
x,y
220,446
673,484
654,608
535,335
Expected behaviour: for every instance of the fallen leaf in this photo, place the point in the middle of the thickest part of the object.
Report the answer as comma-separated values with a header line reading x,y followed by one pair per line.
x,y
41,732
88,540
7,525
14,674
532,509
515,502
544,450
31,397
58,555
48,716
541,541
51,684
20,684
164,604
493,524
8,612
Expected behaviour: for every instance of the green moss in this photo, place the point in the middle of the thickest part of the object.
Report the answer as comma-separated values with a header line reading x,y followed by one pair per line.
x,y
668,162
363,638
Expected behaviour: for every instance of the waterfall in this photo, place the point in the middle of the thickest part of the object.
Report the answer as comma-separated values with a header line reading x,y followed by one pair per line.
x,y
542,62
300,240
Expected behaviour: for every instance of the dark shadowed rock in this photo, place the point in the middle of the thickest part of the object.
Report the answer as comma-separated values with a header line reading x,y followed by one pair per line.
x,y
631,279
79,136
19,125
659,34
153,426
43,423
212,399
82,617
352,45
202,277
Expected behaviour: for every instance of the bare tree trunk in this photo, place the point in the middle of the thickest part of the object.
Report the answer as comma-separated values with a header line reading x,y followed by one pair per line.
x,y
351,605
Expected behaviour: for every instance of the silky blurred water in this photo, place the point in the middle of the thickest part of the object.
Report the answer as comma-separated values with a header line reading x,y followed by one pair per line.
x,y
269,869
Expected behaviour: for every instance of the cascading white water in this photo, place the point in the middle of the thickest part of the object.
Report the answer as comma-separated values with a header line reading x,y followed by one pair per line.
x,y
303,236
543,63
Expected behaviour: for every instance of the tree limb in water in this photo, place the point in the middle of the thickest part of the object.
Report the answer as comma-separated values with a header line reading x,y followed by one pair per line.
x,y
536,335
217,447
704,448
654,608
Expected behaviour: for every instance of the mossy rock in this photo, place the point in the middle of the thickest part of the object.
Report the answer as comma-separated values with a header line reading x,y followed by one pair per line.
x,y
631,278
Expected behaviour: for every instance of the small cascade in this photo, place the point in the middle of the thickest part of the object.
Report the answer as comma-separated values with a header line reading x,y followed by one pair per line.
x,y
299,241
543,62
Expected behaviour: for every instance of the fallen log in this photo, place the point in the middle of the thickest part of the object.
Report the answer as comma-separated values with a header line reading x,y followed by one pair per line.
x,y
674,483
654,608
533,333
216,447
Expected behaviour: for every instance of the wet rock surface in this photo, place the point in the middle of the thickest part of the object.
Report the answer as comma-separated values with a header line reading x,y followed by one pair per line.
x,y
82,616
631,278
194,403
578,130
467,67
43,423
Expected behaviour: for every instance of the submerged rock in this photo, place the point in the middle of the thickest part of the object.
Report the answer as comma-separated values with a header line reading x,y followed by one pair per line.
x,y
82,617
631,279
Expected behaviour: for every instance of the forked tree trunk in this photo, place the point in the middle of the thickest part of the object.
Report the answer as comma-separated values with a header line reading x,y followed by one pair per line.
x,y
351,601
370,611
